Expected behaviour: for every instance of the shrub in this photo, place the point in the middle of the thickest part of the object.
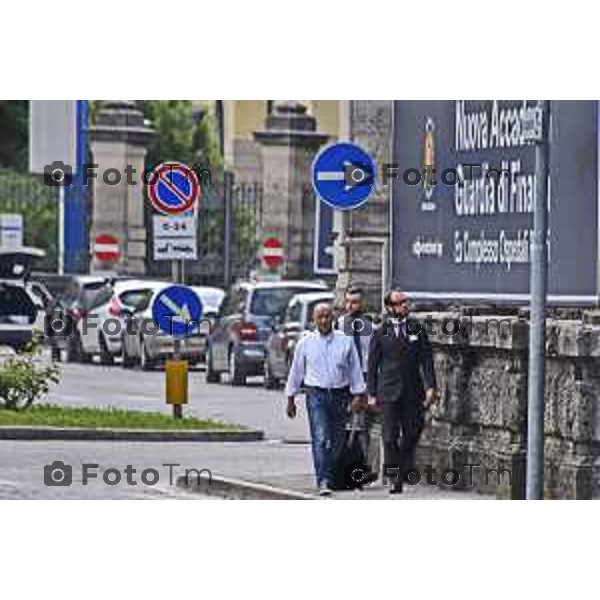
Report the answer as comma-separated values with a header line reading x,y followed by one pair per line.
x,y
23,380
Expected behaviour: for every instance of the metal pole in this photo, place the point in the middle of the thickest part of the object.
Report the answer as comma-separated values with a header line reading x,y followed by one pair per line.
x,y
61,229
177,272
537,327
227,199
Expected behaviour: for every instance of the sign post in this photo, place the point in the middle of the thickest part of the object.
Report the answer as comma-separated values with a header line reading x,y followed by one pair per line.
x,y
537,317
176,309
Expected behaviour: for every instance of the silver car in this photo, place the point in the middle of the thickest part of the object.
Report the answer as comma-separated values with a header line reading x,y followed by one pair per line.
x,y
144,346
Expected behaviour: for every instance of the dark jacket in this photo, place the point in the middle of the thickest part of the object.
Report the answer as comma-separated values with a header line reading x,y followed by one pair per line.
x,y
400,368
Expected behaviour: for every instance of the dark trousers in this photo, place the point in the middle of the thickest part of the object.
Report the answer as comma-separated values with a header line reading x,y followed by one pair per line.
x,y
399,456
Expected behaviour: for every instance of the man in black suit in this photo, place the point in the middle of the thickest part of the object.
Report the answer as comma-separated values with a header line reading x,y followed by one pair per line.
x,y
400,376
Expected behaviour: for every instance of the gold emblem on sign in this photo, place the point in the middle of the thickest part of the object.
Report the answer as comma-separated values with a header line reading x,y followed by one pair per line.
x,y
428,158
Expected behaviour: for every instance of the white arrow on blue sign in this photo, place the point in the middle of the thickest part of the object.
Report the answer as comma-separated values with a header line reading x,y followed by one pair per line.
x,y
343,176
177,310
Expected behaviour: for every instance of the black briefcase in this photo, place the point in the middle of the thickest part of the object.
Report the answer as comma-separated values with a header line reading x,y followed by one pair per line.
x,y
350,469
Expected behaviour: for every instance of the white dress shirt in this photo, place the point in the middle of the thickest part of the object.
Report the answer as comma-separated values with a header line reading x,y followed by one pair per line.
x,y
325,361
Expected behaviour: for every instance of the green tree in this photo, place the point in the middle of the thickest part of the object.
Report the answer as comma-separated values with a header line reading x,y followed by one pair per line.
x,y
21,193
14,123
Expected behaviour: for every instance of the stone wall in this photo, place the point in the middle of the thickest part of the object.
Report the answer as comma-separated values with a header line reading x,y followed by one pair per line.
x,y
481,418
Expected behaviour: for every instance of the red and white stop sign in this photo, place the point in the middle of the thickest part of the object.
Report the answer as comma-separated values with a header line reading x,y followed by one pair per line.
x,y
272,253
106,248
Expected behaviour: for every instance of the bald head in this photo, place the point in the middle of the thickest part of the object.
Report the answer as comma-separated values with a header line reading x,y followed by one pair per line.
x,y
323,317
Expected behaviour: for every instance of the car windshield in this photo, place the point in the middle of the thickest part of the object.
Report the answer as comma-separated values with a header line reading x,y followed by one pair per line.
x,y
269,302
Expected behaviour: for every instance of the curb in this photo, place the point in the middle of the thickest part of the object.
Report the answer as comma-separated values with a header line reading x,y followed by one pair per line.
x,y
237,489
127,435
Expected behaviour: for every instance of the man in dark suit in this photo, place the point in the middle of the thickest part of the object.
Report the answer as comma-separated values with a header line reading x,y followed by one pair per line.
x,y
400,376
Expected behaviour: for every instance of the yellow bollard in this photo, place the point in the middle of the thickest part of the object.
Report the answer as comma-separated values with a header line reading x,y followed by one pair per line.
x,y
177,385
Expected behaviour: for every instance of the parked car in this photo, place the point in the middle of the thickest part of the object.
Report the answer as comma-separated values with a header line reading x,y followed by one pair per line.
x,y
101,337
237,342
212,298
73,297
149,349
22,311
281,344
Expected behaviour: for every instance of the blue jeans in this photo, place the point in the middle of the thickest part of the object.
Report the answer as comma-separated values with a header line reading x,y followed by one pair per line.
x,y
327,414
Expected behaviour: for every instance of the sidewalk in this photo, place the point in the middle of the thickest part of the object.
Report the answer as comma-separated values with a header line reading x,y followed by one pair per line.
x,y
289,467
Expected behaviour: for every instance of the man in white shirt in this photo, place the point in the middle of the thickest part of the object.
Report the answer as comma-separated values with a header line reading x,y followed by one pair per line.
x,y
326,366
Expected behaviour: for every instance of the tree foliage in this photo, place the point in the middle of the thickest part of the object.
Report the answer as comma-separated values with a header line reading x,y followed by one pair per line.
x,y
22,194
14,123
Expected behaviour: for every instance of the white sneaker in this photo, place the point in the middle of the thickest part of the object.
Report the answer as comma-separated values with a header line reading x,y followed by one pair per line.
x,y
324,490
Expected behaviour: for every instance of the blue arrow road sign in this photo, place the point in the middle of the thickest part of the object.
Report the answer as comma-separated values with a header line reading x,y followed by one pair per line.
x,y
343,176
177,310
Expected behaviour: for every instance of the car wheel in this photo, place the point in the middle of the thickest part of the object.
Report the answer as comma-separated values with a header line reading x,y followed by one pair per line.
x,y
146,363
212,376
236,377
271,383
106,358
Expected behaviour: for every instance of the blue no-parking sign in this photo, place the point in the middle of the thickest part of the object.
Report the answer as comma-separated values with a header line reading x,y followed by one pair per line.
x,y
343,176
177,310
174,189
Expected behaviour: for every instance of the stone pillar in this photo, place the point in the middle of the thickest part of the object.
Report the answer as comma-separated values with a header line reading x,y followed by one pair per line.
x,y
365,229
119,138
289,144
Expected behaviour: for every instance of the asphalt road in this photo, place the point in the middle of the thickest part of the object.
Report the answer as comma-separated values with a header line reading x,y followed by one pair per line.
x,y
283,459
252,405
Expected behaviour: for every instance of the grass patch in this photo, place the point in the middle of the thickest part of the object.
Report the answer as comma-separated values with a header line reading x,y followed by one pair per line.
x,y
50,415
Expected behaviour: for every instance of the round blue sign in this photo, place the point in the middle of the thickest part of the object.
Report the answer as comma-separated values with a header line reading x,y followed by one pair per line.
x,y
177,310
343,176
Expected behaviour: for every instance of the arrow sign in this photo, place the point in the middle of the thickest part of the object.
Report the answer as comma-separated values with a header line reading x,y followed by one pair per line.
x,y
177,310
343,176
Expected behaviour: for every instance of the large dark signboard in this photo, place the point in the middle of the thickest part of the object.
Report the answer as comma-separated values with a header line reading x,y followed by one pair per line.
x,y
471,239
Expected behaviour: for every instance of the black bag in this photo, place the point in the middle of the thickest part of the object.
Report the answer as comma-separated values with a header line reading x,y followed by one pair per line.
x,y
350,470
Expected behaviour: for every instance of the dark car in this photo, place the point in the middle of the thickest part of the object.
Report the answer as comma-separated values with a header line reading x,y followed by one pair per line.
x,y
245,322
282,342
80,294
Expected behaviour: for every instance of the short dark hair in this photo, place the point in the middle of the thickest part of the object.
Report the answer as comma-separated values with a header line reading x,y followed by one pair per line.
x,y
354,289
387,299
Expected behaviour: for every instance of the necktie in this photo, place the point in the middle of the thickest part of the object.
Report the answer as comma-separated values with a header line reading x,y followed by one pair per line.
x,y
358,348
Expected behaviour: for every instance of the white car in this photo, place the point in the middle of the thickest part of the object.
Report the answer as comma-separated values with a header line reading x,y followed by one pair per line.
x,y
101,331
147,348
